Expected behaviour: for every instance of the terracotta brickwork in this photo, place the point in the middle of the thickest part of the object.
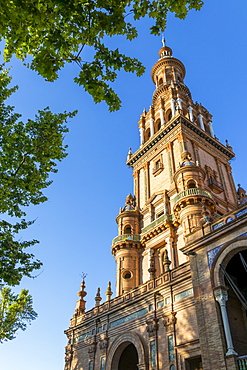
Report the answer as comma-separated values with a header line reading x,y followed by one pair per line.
x,y
180,251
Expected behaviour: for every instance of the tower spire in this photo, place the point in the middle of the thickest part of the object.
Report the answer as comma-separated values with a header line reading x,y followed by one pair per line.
x,y
163,41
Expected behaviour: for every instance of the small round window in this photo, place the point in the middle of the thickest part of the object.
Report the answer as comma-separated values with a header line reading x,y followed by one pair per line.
x,y
127,275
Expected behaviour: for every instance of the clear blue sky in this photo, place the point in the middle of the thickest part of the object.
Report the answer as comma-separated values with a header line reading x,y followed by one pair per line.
x,y
76,226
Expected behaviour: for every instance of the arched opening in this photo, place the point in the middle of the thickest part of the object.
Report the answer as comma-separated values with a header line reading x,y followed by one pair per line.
x,y
160,81
128,359
157,125
168,115
147,134
127,229
236,313
191,184
116,351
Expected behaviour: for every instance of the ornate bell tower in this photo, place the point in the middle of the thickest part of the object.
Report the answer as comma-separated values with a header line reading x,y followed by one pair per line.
x,y
182,179
181,237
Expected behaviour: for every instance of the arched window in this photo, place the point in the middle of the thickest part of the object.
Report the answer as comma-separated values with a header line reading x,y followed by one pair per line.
x,y
168,115
191,184
127,229
147,134
160,82
127,275
157,125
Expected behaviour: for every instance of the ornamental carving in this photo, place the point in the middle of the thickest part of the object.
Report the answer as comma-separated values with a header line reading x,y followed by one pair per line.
x,y
152,326
169,320
103,342
92,344
68,356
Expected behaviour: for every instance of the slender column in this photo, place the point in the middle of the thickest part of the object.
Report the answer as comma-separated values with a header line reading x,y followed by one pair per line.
x,y
190,110
165,79
147,181
179,103
173,107
201,122
151,127
221,297
230,178
136,176
141,130
210,125
162,119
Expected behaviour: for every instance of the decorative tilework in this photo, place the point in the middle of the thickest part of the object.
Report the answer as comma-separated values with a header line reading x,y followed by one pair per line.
x,y
182,295
129,317
102,363
241,213
245,234
83,336
171,348
160,304
153,353
212,254
215,227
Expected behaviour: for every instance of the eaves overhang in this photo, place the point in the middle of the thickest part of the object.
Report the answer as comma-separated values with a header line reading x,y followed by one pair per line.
x,y
165,131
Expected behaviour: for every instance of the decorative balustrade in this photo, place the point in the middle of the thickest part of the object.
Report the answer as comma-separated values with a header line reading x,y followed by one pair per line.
x,y
192,192
242,362
127,237
156,222
116,303
229,217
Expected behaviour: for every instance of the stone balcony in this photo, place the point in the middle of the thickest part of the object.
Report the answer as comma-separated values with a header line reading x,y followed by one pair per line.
x,y
126,237
192,193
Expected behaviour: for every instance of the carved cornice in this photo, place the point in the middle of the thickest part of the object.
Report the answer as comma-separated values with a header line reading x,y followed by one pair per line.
x,y
178,120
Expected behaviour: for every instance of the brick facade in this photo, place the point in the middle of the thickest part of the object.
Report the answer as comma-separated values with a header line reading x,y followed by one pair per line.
x,y
182,229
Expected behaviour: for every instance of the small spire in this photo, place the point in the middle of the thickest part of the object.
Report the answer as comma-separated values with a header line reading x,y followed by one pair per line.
x,y
97,298
163,41
81,303
108,292
166,261
129,154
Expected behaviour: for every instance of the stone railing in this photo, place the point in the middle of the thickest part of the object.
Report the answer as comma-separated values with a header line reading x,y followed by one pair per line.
x,y
126,237
167,278
192,192
242,362
229,217
212,181
156,222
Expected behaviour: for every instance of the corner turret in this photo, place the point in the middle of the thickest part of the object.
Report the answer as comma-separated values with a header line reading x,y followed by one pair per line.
x,y
126,247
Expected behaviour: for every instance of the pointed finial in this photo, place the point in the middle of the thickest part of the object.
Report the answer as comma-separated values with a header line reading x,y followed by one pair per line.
x,y
108,292
166,261
97,298
163,41
81,303
129,154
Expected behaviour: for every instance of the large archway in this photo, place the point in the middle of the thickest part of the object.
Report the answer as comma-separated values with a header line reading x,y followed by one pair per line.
x,y
229,260
128,344
236,312
129,358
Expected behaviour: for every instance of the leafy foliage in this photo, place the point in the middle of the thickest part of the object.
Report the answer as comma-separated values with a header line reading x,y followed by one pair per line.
x,y
28,154
16,312
55,32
